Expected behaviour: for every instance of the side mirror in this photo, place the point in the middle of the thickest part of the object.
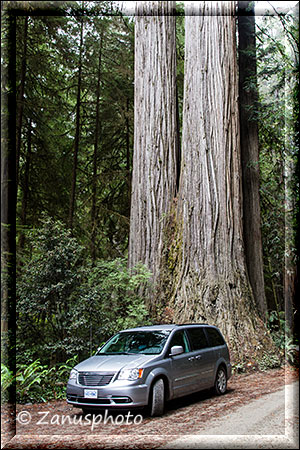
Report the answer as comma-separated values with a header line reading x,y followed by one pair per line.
x,y
176,350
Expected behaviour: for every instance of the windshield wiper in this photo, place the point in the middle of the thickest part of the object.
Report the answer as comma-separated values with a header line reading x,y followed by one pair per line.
x,y
114,353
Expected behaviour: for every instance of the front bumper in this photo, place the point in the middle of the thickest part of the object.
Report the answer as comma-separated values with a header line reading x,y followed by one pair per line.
x,y
117,394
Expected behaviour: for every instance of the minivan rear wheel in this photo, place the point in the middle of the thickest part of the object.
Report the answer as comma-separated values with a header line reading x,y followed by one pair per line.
x,y
157,402
221,381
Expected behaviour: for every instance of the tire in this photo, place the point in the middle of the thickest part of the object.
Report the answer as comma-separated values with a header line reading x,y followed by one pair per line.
x,y
221,382
157,403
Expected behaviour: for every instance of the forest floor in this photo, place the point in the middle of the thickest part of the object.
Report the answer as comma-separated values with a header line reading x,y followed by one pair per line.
x,y
57,425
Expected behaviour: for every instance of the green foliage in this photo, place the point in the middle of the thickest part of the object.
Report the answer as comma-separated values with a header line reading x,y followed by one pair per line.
x,y
53,383
276,321
281,336
7,377
47,290
29,381
38,383
110,301
266,362
239,368
269,361
66,305
277,68
49,121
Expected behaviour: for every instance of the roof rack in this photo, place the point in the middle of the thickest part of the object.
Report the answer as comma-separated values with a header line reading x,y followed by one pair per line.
x,y
194,323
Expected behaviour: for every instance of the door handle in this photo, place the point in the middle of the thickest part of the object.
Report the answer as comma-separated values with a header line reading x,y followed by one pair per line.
x,y
198,356
191,358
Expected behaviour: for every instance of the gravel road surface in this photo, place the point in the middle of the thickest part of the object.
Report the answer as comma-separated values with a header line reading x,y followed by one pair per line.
x,y
258,411
268,422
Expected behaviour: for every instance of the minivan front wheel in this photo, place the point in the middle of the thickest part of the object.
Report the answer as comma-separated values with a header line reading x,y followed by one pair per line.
x,y
157,401
221,381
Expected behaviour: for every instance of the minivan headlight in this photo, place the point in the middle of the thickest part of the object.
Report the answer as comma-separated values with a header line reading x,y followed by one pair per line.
x,y
130,374
73,375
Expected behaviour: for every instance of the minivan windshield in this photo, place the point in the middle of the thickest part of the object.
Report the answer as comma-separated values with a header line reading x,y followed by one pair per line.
x,y
130,342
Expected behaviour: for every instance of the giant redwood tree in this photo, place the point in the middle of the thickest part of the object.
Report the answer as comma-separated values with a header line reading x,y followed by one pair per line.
x,y
155,131
248,98
204,276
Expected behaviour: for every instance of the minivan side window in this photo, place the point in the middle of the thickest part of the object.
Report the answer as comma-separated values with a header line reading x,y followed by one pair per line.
x,y
214,337
197,338
179,338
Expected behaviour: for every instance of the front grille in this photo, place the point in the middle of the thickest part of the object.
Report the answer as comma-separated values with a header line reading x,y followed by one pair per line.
x,y
114,400
94,378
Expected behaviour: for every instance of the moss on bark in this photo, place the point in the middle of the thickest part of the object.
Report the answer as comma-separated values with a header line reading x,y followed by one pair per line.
x,y
203,297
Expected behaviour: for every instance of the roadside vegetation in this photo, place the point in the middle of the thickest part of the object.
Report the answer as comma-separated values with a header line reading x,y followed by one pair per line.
x,y
75,75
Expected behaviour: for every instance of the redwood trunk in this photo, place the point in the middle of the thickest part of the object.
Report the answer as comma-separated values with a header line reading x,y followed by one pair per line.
x,y
155,132
248,96
208,279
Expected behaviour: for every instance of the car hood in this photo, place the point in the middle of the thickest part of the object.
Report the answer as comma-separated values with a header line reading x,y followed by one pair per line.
x,y
113,363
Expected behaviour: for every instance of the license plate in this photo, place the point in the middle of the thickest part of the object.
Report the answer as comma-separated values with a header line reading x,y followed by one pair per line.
x,y
90,393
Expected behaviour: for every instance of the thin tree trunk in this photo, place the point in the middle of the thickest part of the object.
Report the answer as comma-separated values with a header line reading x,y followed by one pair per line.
x,y
26,187
95,156
208,279
291,182
128,162
77,132
248,96
20,101
155,132
8,205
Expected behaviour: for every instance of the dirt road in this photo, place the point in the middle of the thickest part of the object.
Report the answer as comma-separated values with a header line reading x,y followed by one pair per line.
x,y
253,400
269,422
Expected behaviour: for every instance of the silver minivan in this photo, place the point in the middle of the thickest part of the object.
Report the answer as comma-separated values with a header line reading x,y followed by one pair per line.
x,y
147,366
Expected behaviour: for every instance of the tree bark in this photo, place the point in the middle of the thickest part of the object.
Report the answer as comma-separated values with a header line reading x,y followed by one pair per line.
x,y
248,96
205,269
155,132
8,204
95,156
128,158
26,187
20,101
292,199
77,132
